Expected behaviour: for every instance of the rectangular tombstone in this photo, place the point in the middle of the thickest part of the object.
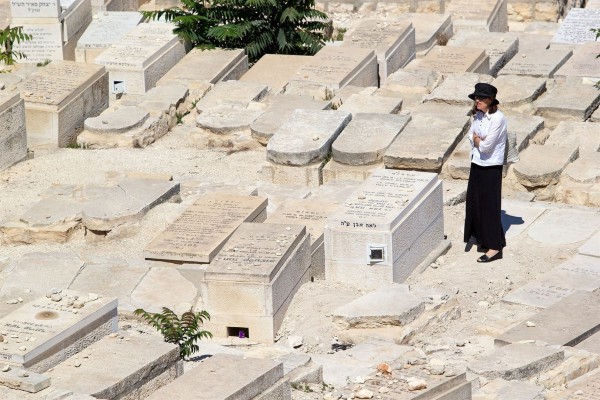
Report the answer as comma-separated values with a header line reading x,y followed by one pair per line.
x,y
46,42
491,16
576,27
35,9
386,229
311,213
60,96
59,330
13,136
583,64
393,43
77,17
275,70
429,29
500,47
336,67
538,63
453,60
105,29
251,281
202,229
141,57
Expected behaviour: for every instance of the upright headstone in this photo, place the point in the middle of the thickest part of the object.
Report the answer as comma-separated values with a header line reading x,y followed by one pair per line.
x,y
393,43
577,27
199,233
386,229
13,136
142,56
252,280
59,97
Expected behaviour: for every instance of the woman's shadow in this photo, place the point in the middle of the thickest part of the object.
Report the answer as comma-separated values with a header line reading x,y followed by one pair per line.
x,y
507,221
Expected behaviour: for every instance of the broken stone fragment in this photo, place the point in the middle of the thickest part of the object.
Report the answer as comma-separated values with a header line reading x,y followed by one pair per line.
x,y
416,384
56,297
364,394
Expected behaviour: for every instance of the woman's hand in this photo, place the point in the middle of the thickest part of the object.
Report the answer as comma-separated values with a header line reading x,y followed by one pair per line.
x,y
476,140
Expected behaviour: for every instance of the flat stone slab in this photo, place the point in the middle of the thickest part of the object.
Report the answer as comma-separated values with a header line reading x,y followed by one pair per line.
x,y
366,138
455,88
517,361
542,165
200,231
576,27
558,324
583,64
164,287
454,60
536,63
224,376
414,81
517,216
225,119
392,305
275,70
117,121
108,370
17,378
573,101
591,344
428,27
592,246
358,103
490,16
561,226
306,137
500,47
583,134
586,387
233,94
517,90
278,111
502,389
413,150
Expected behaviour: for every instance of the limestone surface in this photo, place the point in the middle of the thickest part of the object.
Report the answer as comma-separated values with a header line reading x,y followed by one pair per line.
x,y
542,165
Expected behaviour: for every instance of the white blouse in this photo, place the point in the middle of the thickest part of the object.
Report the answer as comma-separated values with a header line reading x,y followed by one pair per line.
x,y
492,129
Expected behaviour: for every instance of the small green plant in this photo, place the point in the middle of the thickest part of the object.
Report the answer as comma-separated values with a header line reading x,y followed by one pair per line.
x,y
597,32
184,331
73,145
43,63
303,386
339,36
8,37
180,115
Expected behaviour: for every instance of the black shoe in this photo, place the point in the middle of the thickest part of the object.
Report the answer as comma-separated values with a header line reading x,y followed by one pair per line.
x,y
485,259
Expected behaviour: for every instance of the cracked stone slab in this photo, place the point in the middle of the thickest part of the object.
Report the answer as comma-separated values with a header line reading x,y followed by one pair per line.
x,y
564,226
224,119
572,101
582,134
542,165
117,120
17,378
366,138
586,169
516,90
518,216
232,94
455,88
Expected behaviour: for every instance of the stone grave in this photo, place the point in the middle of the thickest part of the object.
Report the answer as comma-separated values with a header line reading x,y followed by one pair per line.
x,y
455,89
371,103
360,148
142,56
500,47
412,85
278,110
558,324
123,367
225,376
518,92
231,94
105,29
45,332
385,229
541,166
297,149
393,43
430,29
58,99
275,70
252,280
279,194
586,387
55,26
536,63
576,27
530,42
13,135
568,102
582,66
312,213
490,16
333,68
576,225
591,247
452,60
582,134
413,150
202,229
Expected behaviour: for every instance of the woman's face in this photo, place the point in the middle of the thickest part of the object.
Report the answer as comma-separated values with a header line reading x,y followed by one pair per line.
x,y
483,103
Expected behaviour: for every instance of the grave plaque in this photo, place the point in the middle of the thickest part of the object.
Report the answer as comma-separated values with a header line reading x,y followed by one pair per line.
x,y
46,42
536,63
253,278
583,63
452,60
49,332
35,9
577,27
199,233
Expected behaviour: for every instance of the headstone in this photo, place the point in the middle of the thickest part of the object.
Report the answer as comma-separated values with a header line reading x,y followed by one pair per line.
x,y
393,43
371,103
225,376
199,233
106,29
142,56
455,89
558,324
577,27
59,97
13,136
452,60
570,101
542,165
275,70
430,29
59,329
252,280
413,150
515,91
582,66
139,365
385,229
488,16
536,63
366,138
500,47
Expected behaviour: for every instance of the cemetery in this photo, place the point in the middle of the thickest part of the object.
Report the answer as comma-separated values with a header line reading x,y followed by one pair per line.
x,y
181,222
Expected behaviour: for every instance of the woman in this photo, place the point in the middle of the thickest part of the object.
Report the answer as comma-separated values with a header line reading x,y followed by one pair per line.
x,y
484,192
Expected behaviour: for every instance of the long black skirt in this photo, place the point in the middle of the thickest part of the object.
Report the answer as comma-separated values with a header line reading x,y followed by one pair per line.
x,y
483,219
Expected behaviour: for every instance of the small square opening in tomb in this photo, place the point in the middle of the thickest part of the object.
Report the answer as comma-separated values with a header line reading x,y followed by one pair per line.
x,y
376,253
117,87
239,332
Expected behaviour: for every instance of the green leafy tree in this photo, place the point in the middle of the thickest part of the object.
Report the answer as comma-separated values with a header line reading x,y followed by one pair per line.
x,y
8,37
258,26
184,331
597,32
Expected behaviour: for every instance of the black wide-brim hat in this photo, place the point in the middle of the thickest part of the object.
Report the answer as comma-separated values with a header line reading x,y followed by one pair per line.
x,y
485,90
